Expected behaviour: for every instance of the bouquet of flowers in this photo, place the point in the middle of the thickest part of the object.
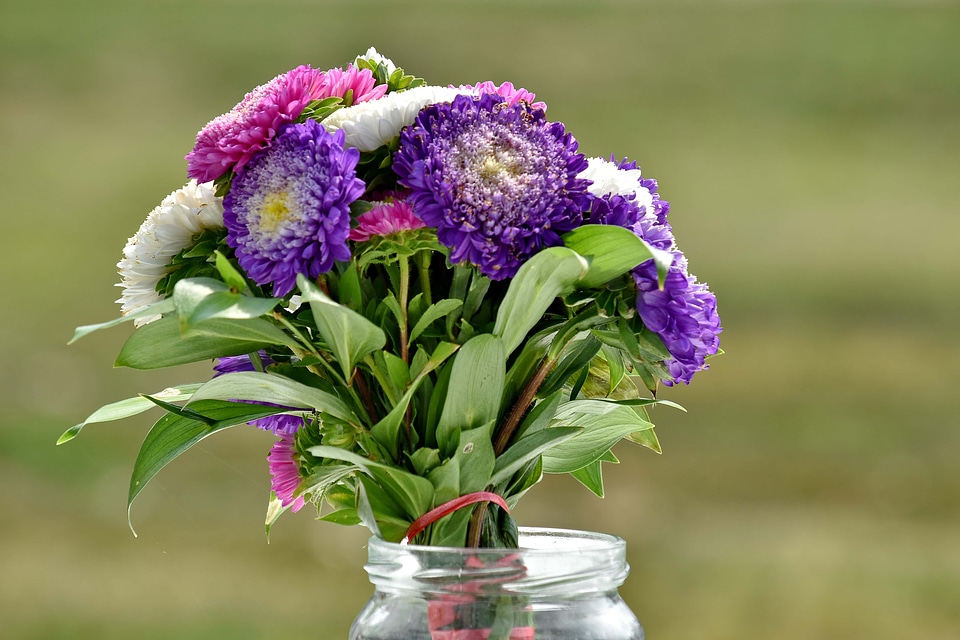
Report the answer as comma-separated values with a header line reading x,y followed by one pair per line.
x,y
426,293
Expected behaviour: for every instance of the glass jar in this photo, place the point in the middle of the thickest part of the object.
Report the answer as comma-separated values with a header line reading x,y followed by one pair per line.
x,y
559,585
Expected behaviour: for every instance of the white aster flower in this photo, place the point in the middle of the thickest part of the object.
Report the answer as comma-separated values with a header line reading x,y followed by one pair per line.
x,y
168,230
369,125
608,179
375,57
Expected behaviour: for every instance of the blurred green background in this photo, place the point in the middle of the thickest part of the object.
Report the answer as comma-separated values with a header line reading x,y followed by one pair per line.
x,y
810,152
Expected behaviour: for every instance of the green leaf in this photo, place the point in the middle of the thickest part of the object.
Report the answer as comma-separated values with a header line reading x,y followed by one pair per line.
x,y
446,482
434,312
349,291
476,458
385,432
643,402
613,251
424,460
532,290
229,273
397,369
129,407
201,299
615,367
173,434
346,517
475,389
604,424
157,308
646,438
276,389
350,335
159,344
591,476
527,448
412,493
540,416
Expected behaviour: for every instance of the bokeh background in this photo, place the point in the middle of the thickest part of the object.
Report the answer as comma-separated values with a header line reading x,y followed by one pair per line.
x,y
810,151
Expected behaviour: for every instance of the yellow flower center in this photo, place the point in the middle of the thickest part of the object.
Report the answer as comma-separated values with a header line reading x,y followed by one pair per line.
x,y
274,210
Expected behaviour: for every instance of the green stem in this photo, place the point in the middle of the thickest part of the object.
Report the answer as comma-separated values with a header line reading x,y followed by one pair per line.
x,y
423,264
404,265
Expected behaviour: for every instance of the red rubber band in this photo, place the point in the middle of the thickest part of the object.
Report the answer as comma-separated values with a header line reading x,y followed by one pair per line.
x,y
447,508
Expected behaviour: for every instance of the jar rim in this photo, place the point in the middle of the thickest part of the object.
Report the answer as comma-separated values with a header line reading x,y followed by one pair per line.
x,y
532,540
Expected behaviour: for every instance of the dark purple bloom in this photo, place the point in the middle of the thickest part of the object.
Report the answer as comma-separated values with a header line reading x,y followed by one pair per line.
x,y
497,181
683,314
279,424
288,210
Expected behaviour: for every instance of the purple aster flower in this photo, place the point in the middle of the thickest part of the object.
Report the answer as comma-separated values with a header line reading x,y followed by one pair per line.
x,y
497,181
683,314
288,211
285,472
280,424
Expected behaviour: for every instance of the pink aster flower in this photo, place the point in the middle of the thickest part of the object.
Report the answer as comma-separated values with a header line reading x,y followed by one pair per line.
x,y
507,91
384,219
285,472
360,81
231,140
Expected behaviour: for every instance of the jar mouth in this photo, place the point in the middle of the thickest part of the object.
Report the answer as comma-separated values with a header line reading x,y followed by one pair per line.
x,y
548,561
532,540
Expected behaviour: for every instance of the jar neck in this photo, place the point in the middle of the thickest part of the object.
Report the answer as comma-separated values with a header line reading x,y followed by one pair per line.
x,y
549,563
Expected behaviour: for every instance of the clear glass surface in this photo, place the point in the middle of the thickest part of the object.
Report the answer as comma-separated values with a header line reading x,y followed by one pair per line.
x,y
560,585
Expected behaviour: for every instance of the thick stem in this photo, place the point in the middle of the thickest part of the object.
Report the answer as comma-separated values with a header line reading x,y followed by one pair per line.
x,y
475,528
519,409
367,398
504,435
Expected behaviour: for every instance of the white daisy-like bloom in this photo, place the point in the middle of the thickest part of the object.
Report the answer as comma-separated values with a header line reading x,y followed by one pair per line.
x,y
608,179
377,58
369,125
168,230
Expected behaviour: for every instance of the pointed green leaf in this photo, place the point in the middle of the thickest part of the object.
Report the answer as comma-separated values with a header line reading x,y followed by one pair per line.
x,y
225,305
433,313
129,407
475,389
527,448
159,344
349,335
385,432
233,278
476,458
157,308
412,493
604,424
646,438
591,476
533,289
346,517
613,251
173,434
277,389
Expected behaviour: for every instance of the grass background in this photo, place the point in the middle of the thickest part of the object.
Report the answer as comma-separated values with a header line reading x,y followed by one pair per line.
x,y
810,152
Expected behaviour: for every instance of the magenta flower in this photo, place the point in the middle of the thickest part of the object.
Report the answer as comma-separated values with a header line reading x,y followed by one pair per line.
x,y
285,472
231,140
384,219
507,91
358,81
